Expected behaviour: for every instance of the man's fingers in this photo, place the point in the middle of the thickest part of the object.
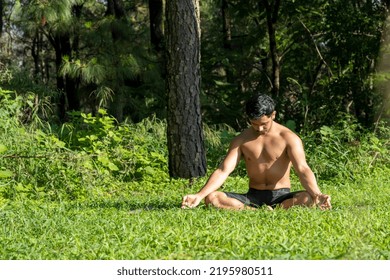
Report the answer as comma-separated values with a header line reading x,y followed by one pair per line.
x,y
323,201
186,203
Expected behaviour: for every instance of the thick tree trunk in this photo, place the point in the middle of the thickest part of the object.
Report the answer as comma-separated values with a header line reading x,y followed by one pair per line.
x,y
185,135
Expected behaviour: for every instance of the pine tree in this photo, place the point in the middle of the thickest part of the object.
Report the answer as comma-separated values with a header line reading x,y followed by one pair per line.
x,y
185,135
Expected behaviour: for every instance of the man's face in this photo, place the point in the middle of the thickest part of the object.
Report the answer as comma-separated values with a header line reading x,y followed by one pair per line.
x,y
263,124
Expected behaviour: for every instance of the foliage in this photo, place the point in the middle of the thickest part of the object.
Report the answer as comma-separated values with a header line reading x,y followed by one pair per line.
x,y
90,152
91,57
328,52
346,150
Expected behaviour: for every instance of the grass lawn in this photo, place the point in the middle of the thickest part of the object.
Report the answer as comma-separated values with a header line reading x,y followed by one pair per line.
x,y
150,225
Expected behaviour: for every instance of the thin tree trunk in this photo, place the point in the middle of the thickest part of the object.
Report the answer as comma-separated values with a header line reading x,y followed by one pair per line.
x,y
35,53
226,25
156,19
272,17
67,86
115,8
1,17
70,83
60,82
227,38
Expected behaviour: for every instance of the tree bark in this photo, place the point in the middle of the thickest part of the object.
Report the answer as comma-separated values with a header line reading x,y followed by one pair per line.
x,y
184,132
69,99
35,53
272,12
227,38
1,17
156,19
116,9
226,25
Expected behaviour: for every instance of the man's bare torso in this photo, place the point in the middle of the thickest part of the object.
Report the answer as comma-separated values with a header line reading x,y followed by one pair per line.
x,y
266,158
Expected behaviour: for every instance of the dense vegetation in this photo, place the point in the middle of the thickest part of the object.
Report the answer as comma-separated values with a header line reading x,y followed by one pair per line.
x,y
84,55
96,189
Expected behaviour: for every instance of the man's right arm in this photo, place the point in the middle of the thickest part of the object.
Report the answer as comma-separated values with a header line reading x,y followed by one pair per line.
x,y
218,177
306,175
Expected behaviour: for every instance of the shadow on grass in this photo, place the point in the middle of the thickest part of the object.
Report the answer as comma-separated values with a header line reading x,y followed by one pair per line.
x,y
132,205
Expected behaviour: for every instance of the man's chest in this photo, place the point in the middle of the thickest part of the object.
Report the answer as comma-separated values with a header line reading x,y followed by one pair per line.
x,y
264,151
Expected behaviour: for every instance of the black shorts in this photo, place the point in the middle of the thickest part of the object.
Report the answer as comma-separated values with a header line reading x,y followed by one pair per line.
x,y
258,198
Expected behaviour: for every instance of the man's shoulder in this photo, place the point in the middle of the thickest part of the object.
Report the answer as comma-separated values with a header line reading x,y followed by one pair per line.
x,y
242,137
287,134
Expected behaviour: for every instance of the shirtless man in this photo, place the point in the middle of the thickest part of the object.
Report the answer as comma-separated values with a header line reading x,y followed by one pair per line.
x,y
268,149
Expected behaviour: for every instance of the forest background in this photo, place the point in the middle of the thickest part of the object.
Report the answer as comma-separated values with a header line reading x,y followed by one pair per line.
x,y
83,142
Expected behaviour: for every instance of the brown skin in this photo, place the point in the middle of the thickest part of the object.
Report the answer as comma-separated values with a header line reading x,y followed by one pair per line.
x,y
269,150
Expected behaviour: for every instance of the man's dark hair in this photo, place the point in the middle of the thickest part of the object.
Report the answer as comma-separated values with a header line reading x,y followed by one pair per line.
x,y
259,105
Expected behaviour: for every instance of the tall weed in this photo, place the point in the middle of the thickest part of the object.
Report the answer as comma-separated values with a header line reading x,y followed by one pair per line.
x,y
346,151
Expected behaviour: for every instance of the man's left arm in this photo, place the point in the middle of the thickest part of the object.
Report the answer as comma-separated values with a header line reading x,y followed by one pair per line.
x,y
306,176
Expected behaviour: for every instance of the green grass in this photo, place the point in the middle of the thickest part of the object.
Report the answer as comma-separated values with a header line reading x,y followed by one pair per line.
x,y
152,226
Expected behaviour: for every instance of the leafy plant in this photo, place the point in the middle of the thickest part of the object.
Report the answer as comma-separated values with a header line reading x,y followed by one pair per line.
x,y
346,150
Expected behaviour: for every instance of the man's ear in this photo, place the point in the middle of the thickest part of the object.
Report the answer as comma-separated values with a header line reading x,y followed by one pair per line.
x,y
273,115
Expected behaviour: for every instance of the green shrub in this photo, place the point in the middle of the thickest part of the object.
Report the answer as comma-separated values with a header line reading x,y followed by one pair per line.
x,y
347,151
91,155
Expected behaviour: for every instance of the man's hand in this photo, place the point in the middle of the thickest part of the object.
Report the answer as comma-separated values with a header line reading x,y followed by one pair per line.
x,y
190,201
323,201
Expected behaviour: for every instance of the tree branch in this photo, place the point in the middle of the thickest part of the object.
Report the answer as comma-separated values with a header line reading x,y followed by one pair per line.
x,y
316,47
